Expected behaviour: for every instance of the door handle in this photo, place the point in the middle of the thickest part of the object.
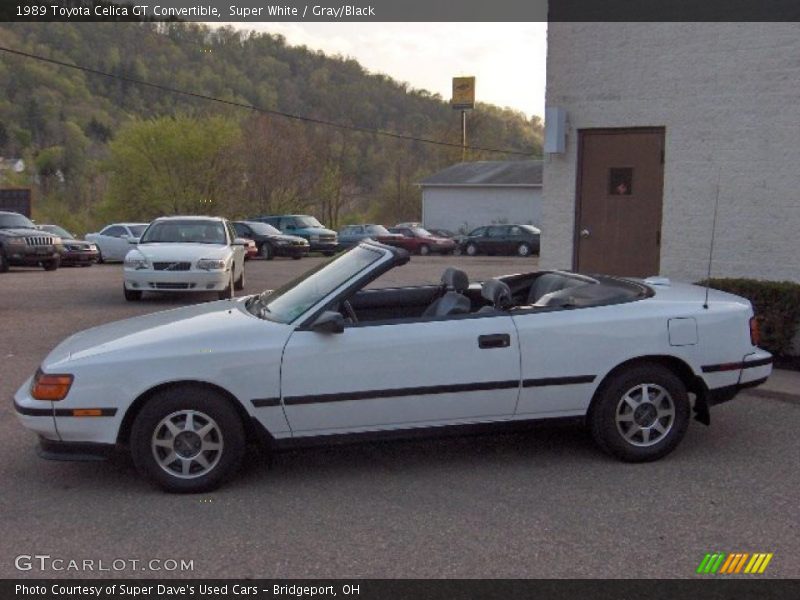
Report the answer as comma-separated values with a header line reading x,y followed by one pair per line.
x,y
495,340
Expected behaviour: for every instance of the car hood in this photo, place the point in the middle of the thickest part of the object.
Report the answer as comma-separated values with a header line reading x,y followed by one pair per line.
x,y
286,238
24,231
216,325
183,252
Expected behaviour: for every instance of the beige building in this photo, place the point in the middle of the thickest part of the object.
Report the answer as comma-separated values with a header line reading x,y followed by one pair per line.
x,y
654,114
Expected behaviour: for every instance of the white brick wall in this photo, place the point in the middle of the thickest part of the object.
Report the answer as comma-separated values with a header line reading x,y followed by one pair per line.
x,y
465,208
728,95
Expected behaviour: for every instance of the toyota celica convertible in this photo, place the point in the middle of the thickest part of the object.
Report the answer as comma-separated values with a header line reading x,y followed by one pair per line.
x,y
329,357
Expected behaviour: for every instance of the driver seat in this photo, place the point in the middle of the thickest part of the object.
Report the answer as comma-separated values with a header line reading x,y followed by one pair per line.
x,y
453,301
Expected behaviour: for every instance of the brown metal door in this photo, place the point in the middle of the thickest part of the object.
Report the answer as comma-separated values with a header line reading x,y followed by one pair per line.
x,y
620,195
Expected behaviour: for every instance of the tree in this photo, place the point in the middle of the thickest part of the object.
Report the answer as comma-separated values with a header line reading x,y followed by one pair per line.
x,y
174,165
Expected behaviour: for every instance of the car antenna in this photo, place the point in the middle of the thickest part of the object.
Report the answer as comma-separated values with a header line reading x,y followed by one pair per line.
x,y
713,235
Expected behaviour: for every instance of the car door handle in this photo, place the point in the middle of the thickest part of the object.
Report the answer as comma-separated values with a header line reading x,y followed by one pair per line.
x,y
495,340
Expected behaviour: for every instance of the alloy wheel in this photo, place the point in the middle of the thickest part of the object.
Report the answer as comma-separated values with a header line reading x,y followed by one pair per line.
x,y
187,444
645,414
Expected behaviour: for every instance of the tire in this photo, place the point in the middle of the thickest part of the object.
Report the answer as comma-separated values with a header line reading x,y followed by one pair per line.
x,y
100,260
623,423
471,250
329,253
227,292
523,249
3,262
193,469
457,251
266,252
296,257
239,283
132,295
424,250
51,265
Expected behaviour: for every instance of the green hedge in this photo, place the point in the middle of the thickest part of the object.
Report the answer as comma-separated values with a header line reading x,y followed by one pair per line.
x,y
777,306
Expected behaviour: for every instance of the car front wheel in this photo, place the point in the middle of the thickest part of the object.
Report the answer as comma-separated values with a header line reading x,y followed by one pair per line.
x,y
239,283
131,295
51,265
524,250
266,251
3,261
471,249
424,250
641,414
187,439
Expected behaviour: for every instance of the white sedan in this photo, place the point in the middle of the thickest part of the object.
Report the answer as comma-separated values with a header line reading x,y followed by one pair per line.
x,y
186,254
114,241
326,357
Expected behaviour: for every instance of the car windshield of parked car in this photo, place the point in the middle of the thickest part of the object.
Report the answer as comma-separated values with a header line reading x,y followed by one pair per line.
x,y
422,232
137,230
290,301
262,228
188,232
531,229
306,222
377,230
16,221
59,231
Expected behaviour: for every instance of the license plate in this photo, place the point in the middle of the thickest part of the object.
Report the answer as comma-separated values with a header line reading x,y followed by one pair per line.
x,y
43,251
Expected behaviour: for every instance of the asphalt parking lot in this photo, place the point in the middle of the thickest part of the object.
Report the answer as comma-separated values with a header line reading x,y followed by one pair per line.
x,y
541,503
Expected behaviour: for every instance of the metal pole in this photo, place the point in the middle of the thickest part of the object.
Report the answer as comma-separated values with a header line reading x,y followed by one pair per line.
x,y
463,136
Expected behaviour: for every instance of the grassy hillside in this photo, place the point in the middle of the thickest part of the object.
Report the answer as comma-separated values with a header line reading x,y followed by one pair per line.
x,y
74,129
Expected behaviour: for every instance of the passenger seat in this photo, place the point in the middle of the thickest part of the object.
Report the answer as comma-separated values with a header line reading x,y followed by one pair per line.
x,y
453,301
549,283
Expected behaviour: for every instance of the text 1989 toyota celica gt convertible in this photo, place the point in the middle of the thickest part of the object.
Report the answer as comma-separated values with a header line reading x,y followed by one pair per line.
x,y
323,357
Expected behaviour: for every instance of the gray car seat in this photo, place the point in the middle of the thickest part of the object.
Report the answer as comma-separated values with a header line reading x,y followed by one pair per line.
x,y
453,301
497,293
549,283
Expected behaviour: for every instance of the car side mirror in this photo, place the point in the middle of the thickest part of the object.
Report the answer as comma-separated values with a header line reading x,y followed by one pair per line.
x,y
239,242
329,322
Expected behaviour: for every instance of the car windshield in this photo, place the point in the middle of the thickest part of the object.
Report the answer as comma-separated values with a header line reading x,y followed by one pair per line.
x,y
137,230
189,231
531,229
59,231
422,232
290,301
13,221
306,222
262,228
376,230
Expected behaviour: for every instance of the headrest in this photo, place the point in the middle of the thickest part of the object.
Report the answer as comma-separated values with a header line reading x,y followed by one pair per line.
x,y
496,292
455,280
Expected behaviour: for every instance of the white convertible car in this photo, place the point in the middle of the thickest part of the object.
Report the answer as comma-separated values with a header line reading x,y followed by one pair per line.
x,y
325,357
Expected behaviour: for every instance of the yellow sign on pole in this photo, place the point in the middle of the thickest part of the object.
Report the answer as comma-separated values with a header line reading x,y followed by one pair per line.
x,y
463,93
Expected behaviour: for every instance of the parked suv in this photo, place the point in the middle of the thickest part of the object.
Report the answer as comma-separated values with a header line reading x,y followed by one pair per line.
x,y
321,239
22,244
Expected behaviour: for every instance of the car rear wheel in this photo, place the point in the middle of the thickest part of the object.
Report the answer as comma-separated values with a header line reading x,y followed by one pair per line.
x,y
51,265
131,295
187,439
3,261
641,414
424,250
524,249
266,251
471,249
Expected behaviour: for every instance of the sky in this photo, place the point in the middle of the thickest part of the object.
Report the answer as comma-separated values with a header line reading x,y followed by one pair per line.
x,y
507,59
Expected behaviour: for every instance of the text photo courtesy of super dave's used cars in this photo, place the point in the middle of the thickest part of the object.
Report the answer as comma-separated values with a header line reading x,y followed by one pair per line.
x,y
328,357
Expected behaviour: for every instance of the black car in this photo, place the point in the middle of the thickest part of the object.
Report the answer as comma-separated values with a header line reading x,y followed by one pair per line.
x,y
270,241
522,240
22,244
76,252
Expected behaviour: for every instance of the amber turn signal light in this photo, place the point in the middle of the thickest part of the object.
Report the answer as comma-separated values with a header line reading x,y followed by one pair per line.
x,y
50,387
755,331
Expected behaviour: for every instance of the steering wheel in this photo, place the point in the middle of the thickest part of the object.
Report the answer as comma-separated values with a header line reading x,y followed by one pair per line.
x,y
351,314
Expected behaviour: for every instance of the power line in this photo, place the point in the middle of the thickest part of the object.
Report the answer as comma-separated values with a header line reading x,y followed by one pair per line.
x,y
267,111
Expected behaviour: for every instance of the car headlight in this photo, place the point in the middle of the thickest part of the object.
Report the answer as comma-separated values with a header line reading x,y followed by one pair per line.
x,y
281,242
211,264
16,242
136,262
92,247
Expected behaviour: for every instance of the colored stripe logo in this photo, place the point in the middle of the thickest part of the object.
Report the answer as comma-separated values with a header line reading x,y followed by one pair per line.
x,y
720,563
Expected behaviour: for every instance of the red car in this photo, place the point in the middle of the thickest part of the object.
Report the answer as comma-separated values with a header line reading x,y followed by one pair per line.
x,y
419,240
250,249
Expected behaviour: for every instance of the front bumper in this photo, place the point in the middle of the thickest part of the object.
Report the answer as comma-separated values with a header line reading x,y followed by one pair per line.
x,y
32,255
292,251
79,257
74,451
323,245
147,280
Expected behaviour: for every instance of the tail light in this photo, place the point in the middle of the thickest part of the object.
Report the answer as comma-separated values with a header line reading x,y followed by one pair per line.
x,y
755,331
50,387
